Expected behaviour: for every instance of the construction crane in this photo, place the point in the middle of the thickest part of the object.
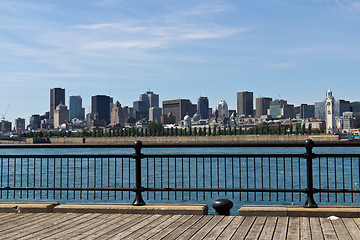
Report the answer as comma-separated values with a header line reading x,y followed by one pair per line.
x,y
3,116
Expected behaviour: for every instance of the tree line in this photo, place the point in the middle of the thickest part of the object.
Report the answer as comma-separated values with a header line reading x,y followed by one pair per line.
x,y
156,129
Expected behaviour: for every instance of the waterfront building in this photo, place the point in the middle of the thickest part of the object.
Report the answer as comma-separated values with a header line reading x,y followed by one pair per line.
x,y
155,114
141,110
245,103
179,108
57,96
329,110
61,115
100,108
341,106
76,109
19,125
203,107
262,106
168,119
277,108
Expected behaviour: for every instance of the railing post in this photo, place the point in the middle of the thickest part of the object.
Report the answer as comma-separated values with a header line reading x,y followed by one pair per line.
x,y
309,155
138,156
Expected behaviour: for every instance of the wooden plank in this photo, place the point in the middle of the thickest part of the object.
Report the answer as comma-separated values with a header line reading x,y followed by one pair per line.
x,y
119,224
281,228
139,232
202,233
176,229
315,228
22,230
231,228
328,229
131,228
305,232
189,232
165,225
244,228
20,219
340,229
352,227
293,228
93,226
81,227
62,226
256,228
220,227
269,228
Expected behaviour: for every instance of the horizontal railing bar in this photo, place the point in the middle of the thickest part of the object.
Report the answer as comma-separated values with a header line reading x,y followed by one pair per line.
x,y
221,190
176,144
64,189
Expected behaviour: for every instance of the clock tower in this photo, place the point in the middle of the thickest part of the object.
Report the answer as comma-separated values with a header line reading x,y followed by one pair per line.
x,y
329,112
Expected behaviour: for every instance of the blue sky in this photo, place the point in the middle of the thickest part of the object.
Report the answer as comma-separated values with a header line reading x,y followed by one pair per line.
x,y
289,49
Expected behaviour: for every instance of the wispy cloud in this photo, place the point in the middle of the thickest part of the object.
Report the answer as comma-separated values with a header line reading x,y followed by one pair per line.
x,y
351,5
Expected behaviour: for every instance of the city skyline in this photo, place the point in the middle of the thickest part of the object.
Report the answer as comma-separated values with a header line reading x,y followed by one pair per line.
x,y
284,50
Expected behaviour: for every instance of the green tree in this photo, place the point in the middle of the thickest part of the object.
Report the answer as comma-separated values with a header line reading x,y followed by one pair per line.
x,y
155,127
310,129
303,129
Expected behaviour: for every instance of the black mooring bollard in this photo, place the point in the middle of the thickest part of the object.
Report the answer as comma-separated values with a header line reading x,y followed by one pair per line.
x,y
222,206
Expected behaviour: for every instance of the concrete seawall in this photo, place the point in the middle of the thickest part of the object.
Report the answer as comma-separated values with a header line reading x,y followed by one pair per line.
x,y
241,138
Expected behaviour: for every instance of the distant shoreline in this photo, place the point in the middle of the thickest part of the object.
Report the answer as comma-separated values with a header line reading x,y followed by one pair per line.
x,y
189,139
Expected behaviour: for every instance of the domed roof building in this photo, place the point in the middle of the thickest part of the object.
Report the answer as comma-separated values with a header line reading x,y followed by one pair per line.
x,y
187,121
196,117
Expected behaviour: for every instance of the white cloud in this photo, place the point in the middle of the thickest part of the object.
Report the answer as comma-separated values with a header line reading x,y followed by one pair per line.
x,y
351,5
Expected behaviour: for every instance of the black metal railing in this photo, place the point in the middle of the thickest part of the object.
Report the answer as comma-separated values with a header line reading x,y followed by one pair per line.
x,y
270,177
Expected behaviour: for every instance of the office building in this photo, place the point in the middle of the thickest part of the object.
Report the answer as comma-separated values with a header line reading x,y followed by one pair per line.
x,y
179,108
34,121
76,109
262,106
203,107
151,99
304,111
341,106
100,108
118,115
57,96
19,124
61,115
223,109
155,114
320,110
245,105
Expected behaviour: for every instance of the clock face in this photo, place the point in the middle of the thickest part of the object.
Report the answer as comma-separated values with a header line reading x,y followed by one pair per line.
x,y
328,103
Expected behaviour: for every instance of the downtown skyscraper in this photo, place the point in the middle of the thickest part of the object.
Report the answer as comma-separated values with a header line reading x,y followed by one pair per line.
x,y
57,96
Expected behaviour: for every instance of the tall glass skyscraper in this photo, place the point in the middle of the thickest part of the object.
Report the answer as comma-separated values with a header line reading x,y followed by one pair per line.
x,y
57,96
203,107
76,109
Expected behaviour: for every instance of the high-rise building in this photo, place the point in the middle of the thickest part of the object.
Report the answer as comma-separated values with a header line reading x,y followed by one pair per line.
x,y
304,111
203,107
35,121
100,108
155,114
329,111
341,106
119,115
151,99
262,106
61,115
19,124
223,109
320,110
76,109
57,96
179,108
245,103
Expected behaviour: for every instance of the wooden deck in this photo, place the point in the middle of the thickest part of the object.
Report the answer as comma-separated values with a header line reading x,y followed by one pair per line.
x,y
125,226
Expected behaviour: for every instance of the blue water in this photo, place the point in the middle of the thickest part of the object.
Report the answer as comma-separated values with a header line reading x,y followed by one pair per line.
x,y
348,176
